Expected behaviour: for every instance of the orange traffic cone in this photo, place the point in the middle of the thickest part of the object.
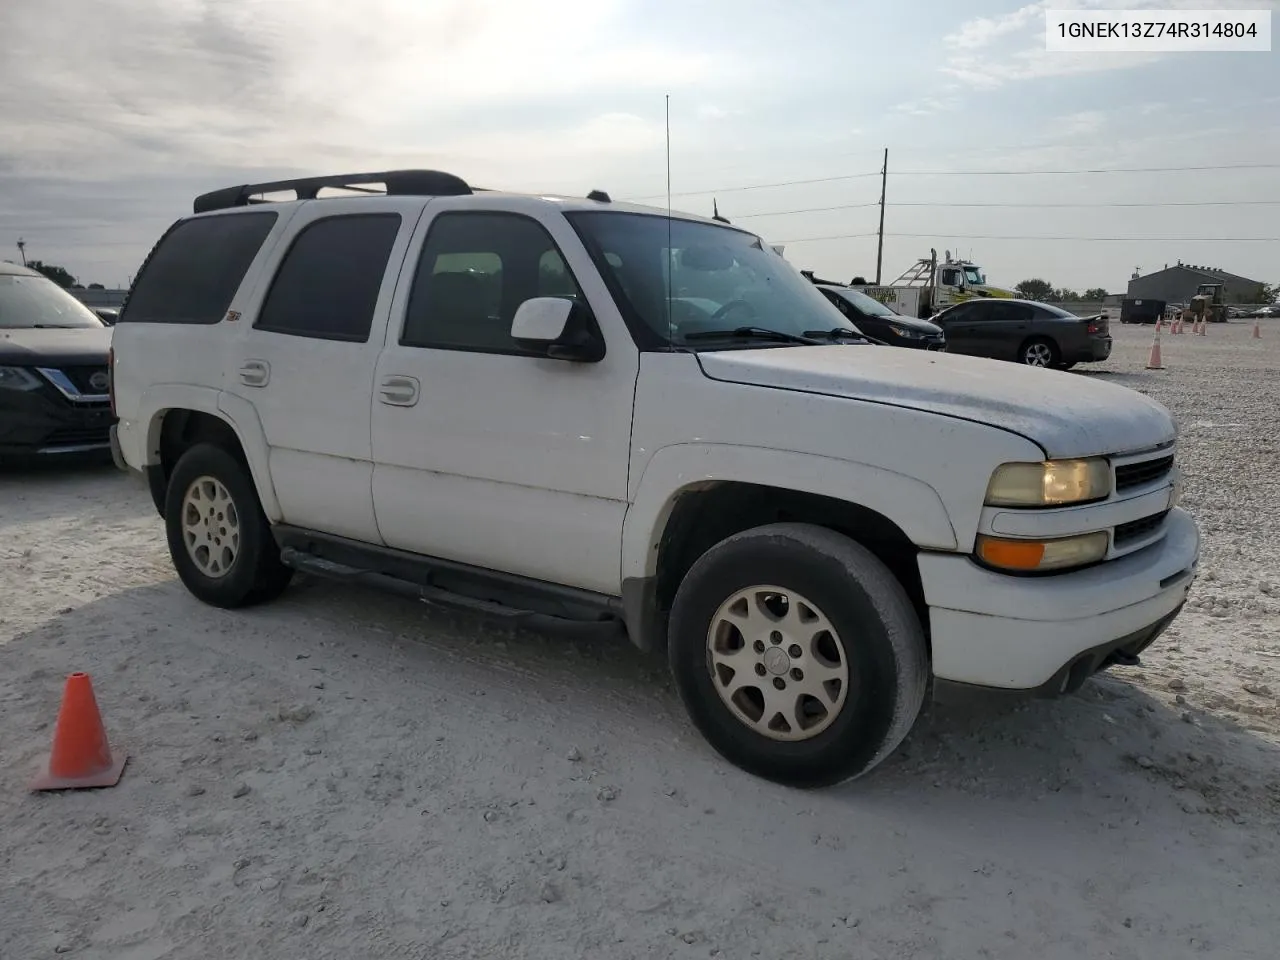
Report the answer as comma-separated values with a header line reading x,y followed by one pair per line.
x,y
1175,326
1257,333
1159,323
1154,362
1204,325
80,757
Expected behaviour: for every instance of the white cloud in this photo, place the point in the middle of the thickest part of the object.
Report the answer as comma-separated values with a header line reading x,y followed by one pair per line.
x,y
984,31
262,83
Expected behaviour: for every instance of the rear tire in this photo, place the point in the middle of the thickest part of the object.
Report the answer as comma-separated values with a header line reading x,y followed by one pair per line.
x,y
219,538
1039,352
810,692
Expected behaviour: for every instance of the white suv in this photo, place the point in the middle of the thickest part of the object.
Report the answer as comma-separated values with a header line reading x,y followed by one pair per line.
x,y
536,405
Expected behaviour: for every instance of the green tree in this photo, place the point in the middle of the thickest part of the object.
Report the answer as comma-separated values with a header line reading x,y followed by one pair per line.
x,y
1095,293
1065,295
59,275
1034,289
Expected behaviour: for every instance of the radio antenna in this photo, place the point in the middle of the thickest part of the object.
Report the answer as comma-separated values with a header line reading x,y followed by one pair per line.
x,y
671,254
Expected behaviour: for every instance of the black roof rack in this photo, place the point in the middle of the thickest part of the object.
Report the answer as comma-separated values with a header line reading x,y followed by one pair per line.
x,y
410,183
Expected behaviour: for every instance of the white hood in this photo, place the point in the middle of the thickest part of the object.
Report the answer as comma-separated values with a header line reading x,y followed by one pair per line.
x,y
1069,415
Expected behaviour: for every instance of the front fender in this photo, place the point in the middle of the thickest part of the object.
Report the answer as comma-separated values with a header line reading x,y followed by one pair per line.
x,y
910,503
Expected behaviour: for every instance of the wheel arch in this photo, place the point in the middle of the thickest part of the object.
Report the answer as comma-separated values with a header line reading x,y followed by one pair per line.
x,y
672,523
178,419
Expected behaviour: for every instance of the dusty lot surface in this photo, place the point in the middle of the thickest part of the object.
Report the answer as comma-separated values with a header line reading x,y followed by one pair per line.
x,y
345,774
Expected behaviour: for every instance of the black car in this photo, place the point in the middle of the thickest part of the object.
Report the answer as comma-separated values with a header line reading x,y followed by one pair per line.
x,y
54,385
879,322
1024,331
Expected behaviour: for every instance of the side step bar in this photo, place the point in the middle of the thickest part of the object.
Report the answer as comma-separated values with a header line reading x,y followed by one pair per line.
x,y
320,567
445,583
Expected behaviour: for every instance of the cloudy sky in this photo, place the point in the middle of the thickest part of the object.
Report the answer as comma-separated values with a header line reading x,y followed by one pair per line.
x,y
114,114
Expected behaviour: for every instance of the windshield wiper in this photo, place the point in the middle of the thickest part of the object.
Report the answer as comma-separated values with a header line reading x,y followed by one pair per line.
x,y
839,333
750,333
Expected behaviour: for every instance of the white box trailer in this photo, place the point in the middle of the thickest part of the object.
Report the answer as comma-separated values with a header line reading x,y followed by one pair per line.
x,y
904,301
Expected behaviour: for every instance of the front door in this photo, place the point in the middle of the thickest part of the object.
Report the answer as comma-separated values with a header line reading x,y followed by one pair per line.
x,y
485,453
306,360
962,331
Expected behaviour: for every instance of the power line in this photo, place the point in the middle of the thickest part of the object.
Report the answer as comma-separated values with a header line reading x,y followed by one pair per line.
x,y
981,236
757,186
1039,173
965,173
1065,206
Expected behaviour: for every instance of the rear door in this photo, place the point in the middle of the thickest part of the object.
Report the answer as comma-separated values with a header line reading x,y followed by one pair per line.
x,y
305,358
1004,327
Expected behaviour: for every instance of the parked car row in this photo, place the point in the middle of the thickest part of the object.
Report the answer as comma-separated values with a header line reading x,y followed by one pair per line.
x,y
1022,331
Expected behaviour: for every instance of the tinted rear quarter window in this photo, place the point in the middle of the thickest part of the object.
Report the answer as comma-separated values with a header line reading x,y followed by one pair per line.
x,y
194,271
327,284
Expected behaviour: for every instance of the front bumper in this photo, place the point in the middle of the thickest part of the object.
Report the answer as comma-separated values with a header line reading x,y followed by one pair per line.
x,y
1044,634
35,425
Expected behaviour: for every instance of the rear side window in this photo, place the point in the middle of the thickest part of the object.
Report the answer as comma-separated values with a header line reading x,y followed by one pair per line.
x,y
327,285
194,271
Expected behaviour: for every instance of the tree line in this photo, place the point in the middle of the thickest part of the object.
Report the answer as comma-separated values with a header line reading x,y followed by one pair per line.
x,y
1043,290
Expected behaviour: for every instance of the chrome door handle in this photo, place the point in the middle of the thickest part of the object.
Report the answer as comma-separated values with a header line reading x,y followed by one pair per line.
x,y
399,391
255,373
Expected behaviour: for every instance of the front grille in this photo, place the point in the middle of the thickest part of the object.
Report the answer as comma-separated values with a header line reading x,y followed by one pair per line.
x,y
1132,475
1136,530
81,376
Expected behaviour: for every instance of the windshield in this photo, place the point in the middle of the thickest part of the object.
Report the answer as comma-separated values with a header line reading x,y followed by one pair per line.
x,y
720,278
27,302
869,306
974,275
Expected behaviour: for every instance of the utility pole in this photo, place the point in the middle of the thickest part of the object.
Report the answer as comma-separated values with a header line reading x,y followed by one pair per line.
x,y
884,179
22,249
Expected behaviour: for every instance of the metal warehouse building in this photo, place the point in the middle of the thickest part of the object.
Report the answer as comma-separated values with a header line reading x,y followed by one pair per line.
x,y
1177,284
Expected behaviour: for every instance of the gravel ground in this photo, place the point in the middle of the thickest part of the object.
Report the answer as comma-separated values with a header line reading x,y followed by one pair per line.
x,y
344,774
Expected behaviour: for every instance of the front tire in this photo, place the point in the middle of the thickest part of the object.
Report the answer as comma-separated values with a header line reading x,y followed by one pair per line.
x,y
797,654
219,538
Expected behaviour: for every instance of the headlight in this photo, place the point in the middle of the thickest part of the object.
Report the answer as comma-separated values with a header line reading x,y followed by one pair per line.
x,y
1034,556
1054,483
18,378
905,333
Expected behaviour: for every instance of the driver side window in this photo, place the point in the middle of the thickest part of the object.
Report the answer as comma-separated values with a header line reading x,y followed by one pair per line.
x,y
474,271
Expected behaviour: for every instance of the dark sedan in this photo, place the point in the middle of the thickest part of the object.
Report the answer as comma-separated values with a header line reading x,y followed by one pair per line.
x,y
876,320
1024,331
54,385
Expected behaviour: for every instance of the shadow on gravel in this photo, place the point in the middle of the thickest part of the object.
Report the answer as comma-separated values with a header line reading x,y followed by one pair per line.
x,y
1104,754
1124,378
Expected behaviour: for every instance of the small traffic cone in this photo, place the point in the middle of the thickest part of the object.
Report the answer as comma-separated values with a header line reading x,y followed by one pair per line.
x,y
81,756
1175,326
1257,333
1154,362
1204,328
1159,323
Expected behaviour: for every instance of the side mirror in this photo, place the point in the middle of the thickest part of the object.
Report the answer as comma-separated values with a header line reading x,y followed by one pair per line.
x,y
557,328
